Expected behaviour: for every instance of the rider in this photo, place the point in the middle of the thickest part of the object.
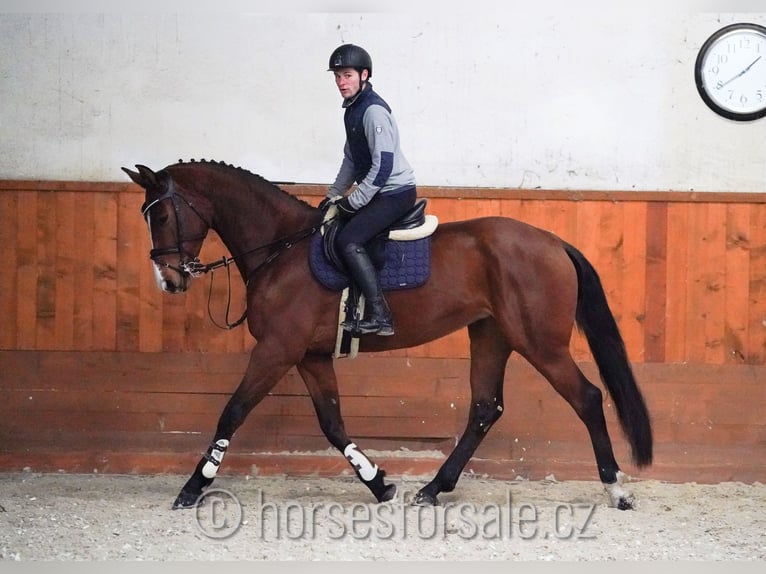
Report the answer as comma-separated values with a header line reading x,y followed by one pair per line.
x,y
385,183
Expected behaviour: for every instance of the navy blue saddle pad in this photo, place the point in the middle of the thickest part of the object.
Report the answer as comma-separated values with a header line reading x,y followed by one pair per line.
x,y
407,265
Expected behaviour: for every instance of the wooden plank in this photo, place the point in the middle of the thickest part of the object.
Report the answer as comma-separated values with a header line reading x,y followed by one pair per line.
x,y
26,272
66,253
756,347
83,310
737,282
697,309
714,238
656,235
9,263
587,241
678,233
150,307
632,279
45,335
129,226
105,272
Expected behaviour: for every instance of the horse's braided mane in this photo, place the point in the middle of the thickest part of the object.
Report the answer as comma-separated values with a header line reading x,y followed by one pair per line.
x,y
245,171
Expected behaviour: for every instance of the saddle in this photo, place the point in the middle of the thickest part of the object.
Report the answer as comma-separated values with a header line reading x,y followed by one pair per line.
x,y
401,254
413,221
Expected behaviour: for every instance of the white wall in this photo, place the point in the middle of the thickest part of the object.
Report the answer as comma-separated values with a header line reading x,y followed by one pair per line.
x,y
558,99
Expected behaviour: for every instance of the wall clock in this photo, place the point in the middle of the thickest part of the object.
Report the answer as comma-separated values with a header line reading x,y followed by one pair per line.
x,y
730,72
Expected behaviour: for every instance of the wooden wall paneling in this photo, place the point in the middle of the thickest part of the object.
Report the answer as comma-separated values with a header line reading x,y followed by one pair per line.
x,y
68,404
149,373
9,265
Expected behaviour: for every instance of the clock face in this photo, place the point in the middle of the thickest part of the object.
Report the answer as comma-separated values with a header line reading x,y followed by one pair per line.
x,y
730,72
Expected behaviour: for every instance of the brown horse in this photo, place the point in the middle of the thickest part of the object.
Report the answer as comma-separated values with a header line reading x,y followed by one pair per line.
x,y
516,288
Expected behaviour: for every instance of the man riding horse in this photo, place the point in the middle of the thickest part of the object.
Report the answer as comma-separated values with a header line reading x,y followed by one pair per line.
x,y
385,183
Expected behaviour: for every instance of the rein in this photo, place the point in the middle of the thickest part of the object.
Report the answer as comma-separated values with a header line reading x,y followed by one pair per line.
x,y
197,269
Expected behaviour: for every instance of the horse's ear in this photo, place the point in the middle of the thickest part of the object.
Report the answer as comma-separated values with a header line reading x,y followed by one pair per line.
x,y
144,177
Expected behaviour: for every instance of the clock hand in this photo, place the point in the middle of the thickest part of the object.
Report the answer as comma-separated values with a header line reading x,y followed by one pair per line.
x,y
743,72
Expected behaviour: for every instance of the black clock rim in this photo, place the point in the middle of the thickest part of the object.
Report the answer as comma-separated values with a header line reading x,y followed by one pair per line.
x,y
737,116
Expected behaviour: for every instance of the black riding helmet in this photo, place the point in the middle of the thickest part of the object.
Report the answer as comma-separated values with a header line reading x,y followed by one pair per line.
x,y
350,56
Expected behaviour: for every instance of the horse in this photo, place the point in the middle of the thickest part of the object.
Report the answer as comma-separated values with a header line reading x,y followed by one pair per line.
x,y
516,287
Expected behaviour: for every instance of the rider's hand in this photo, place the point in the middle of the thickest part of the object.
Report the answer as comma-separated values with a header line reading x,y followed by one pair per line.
x,y
344,208
325,204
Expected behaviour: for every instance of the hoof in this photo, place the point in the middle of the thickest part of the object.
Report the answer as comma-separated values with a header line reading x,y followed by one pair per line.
x,y
625,503
388,493
186,500
425,499
618,496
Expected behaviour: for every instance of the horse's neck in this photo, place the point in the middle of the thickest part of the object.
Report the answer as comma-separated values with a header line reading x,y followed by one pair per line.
x,y
249,222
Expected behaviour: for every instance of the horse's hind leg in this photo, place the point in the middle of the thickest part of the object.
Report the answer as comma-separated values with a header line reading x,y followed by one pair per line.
x,y
489,355
586,399
319,375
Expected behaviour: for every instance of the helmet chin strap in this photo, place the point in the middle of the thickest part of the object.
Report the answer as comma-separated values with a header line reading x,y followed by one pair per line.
x,y
362,86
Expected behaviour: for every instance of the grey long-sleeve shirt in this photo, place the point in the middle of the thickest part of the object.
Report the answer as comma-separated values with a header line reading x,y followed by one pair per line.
x,y
372,157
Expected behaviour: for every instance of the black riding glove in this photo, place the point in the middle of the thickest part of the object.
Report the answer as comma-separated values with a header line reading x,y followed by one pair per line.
x,y
344,208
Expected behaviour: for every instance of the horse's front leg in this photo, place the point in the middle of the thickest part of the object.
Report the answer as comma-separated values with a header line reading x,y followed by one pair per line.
x,y
265,369
319,375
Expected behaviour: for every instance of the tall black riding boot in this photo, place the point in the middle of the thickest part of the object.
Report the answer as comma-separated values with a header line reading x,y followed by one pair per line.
x,y
379,319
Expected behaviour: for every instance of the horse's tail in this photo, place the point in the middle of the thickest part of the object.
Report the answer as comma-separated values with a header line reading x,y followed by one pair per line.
x,y
595,320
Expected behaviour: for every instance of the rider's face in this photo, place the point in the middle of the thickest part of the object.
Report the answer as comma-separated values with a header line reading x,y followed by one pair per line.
x,y
349,81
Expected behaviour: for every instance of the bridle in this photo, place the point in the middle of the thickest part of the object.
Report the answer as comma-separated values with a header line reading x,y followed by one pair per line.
x,y
191,265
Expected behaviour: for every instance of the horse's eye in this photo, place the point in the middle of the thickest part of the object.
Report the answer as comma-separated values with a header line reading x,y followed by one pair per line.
x,y
156,215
